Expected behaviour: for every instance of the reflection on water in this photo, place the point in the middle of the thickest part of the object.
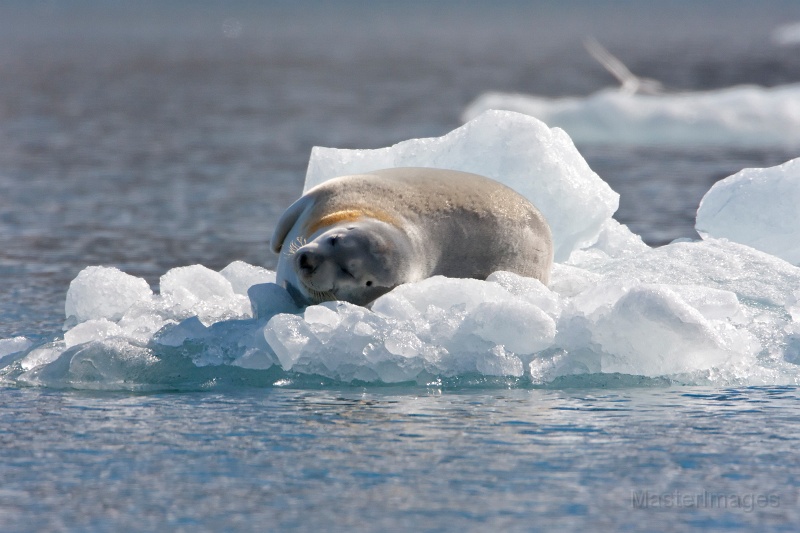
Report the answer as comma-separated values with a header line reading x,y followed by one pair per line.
x,y
378,460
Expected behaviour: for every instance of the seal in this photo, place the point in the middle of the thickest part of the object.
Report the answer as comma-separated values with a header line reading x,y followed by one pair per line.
x,y
355,238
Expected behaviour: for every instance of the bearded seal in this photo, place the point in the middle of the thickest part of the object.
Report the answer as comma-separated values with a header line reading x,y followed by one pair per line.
x,y
355,238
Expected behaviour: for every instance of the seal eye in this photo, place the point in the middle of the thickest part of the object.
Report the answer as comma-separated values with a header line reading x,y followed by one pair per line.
x,y
332,240
369,284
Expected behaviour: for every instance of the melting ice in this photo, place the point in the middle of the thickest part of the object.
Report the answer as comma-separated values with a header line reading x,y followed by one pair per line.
x,y
724,310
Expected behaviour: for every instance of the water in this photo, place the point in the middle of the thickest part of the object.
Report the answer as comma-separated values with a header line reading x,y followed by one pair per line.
x,y
152,137
401,459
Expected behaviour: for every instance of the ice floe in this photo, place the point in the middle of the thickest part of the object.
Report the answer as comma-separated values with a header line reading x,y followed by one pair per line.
x,y
716,311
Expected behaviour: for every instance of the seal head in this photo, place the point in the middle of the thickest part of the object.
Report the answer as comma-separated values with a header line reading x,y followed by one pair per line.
x,y
357,262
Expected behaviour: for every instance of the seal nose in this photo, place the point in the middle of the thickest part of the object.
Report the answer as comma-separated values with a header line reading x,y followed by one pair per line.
x,y
307,262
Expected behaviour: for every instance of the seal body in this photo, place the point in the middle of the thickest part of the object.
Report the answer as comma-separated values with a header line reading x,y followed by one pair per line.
x,y
356,237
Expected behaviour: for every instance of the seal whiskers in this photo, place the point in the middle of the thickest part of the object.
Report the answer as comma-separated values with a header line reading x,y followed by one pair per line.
x,y
320,296
296,244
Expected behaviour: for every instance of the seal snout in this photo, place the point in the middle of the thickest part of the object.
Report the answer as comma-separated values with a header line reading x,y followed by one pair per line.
x,y
307,262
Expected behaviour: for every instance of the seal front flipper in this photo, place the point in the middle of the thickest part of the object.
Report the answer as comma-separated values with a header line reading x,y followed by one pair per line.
x,y
287,222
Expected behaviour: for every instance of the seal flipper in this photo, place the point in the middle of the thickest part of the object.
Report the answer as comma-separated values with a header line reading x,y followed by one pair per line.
x,y
287,222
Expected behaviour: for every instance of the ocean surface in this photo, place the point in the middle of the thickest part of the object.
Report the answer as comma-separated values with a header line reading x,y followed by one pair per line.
x,y
153,136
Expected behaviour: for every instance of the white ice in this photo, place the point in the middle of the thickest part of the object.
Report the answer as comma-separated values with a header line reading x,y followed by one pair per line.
x,y
759,207
103,292
745,115
713,312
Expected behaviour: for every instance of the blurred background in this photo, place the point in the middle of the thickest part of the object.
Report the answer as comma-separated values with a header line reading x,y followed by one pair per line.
x,y
150,135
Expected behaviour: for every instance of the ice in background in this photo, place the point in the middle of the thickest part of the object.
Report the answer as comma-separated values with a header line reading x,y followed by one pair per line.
x,y
642,112
740,116
707,312
787,34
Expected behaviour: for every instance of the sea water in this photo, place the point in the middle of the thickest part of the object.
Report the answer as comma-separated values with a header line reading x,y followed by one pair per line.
x,y
323,458
152,138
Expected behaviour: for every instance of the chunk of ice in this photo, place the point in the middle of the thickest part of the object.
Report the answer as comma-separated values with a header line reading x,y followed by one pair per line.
x,y
520,327
90,330
243,276
759,207
103,292
197,290
614,241
570,281
448,294
754,276
529,289
269,299
13,346
193,283
650,330
176,335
